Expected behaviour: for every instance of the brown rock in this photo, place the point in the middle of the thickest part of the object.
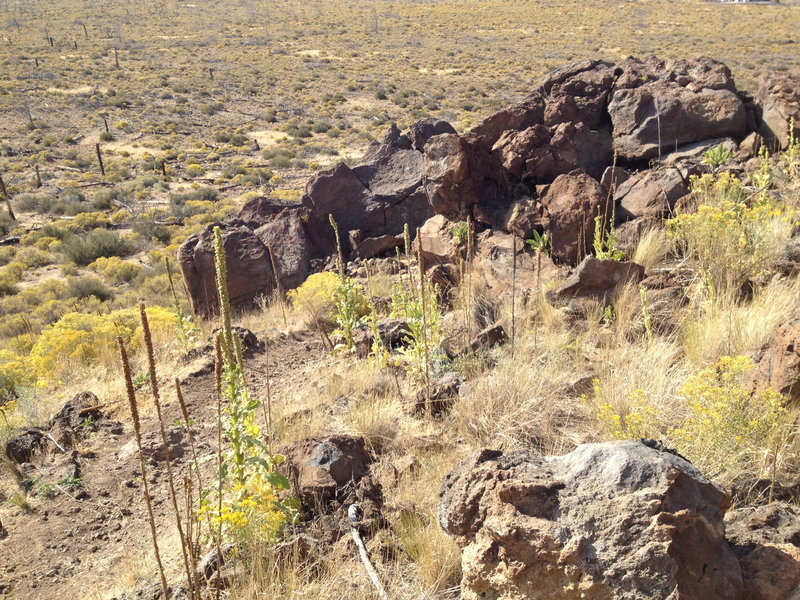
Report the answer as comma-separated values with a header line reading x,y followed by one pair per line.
x,y
375,246
23,447
613,520
489,338
437,241
286,237
658,105
524,217
76,420
250,274
779,364
324,467
578,93
570,206
494,262
424,129
766,539
650,193
778,102
598,278
516,117
443,392
458,173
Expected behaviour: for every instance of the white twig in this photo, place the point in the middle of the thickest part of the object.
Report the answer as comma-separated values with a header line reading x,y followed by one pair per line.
x,y
353,515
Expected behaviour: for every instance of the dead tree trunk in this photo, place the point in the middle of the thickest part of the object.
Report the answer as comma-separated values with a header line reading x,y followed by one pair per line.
x,y
100,160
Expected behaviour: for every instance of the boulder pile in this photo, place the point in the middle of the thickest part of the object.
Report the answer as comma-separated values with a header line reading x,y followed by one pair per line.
x,y
594,139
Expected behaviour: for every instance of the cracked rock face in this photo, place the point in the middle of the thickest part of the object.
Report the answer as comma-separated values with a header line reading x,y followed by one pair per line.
x,y
617,520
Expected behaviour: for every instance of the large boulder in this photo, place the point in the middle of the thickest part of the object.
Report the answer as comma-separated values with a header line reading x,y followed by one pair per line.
x,y
613,520
778,103
571,204
377,197
578,93
657,106
459,172
250,274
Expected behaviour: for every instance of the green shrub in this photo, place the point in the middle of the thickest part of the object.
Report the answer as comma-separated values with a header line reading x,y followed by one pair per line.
x,y
83,287
85,249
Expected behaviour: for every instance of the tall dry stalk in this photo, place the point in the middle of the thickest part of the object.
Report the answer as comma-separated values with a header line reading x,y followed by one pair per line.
x,y
137,430
218,361
151,362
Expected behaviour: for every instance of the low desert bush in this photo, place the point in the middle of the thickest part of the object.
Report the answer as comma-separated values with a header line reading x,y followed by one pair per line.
x,y
84,287
318,297
734,235
85,249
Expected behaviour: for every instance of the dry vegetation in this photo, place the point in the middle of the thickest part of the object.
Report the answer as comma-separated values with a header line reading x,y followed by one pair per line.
x,y
213,103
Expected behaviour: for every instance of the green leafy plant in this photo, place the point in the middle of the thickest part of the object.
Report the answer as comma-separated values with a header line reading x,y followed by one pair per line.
x,y
349,299
460,231
717,156
539,243
605,242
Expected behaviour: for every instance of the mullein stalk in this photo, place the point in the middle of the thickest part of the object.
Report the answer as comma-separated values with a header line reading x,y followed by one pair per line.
x,y
196,463
218,362
148,341
137,430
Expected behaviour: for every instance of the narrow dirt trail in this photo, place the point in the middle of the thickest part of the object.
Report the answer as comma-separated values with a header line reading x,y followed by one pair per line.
x,y
91,540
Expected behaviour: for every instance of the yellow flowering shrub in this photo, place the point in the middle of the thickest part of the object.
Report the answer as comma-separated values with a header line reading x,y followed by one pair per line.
x,y
82,339
15,373
725,429
116,269
318,296
734,235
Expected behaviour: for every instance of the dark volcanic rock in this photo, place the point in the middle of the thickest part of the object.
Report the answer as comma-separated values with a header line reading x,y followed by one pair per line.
x,y
613,520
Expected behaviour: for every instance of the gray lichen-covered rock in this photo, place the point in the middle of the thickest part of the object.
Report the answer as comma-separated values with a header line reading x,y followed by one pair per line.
x,y
619,520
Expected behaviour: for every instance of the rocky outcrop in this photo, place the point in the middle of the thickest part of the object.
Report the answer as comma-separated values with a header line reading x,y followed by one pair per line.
x,y
657,106
546,164
614,520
